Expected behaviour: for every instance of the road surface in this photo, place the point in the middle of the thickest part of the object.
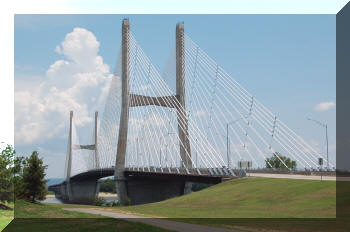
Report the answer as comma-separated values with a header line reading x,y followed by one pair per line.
x,y
301,177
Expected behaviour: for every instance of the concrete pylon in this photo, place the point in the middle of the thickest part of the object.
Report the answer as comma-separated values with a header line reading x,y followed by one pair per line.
x,y
131,100
124,116
97,162
185,148
69,163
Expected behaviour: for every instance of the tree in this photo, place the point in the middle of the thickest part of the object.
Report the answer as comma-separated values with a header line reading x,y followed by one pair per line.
x,y
275,162
19,163
34,184
108,185
6,175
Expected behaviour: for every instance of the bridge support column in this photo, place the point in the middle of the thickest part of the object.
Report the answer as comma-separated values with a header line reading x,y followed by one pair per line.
x,y
82,192
185,149
143,191
188,187
97,162
124,116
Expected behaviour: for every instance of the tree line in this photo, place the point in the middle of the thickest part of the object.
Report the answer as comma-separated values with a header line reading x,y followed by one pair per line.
x,y
21,177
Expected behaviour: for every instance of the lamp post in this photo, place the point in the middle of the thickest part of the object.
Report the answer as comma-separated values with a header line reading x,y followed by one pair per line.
x,y
325,126
227,139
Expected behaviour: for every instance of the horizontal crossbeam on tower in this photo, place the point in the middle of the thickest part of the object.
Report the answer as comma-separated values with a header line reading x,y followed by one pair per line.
x,y
141,100
83,147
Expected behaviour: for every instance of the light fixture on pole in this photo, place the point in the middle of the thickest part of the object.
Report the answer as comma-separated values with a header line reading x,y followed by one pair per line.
x,y
325,126
227,138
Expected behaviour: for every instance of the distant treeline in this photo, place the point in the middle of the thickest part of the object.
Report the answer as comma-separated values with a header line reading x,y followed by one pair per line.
x,y
108,186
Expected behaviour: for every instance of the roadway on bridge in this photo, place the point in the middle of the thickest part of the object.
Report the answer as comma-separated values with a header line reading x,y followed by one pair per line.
x,y
166,224
300,177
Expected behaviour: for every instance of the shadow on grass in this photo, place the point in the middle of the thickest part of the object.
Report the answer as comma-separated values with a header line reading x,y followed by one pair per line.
x,y
273,224
77,225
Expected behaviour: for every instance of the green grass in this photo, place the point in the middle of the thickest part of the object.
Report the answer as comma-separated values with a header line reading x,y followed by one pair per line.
x,y
78,225
251,198
251,204
51,217
255,204
24,209
6,217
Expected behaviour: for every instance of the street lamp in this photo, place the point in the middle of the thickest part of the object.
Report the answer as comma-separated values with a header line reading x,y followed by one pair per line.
x,y
227,138
325,126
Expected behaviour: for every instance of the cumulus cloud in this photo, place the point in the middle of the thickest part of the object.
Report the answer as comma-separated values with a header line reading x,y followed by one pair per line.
x,y
71,83
324,106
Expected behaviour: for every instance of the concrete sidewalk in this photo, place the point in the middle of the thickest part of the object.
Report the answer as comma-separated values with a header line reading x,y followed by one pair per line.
x,y
166,224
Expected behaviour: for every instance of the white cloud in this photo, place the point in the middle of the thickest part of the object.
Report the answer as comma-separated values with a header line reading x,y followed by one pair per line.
x,y
324,106
72,83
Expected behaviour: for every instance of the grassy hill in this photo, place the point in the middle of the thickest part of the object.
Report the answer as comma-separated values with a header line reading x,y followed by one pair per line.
x,y
256,205
51,217
251,198
6,217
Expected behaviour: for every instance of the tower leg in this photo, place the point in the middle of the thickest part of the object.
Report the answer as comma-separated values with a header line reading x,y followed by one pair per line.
x,y
185,149
124,117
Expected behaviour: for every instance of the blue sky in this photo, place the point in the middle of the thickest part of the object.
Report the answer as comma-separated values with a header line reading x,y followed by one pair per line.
x,y
286,61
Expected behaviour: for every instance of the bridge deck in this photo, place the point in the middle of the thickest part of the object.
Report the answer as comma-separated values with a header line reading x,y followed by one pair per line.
x,y
189,174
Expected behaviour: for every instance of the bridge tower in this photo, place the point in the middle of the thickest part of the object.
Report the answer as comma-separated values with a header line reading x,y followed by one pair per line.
x,y
124,116
79,192
185,148
133,100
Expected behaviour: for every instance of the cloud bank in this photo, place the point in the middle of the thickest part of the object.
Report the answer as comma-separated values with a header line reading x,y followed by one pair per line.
x,y
76,82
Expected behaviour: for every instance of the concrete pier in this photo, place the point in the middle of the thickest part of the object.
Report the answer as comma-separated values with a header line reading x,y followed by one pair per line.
x,y
84,192
77,192
142,191
141,186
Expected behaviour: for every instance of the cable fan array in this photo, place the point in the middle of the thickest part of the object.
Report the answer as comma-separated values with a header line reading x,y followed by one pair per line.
x,y
226,123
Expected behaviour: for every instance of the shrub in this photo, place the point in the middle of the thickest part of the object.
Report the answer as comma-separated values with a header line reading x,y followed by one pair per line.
x,y
127,201
115,203
99,201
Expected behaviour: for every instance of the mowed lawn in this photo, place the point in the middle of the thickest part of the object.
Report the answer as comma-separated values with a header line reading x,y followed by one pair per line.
x,y
251,198
6,217
45,217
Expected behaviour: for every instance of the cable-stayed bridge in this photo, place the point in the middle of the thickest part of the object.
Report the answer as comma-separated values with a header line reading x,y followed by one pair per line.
x,y
161,132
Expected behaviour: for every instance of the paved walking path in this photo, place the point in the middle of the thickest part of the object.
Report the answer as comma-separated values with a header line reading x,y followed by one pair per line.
x,y
166,224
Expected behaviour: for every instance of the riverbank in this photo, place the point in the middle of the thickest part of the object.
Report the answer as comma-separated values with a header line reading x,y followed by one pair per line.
x,y
101,194
107,195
